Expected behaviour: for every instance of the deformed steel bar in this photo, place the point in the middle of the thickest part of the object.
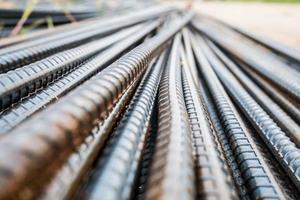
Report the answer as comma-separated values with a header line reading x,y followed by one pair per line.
x,y
212,175
172,159
64,125
17,113
288,52
147,156
18,83
279,144
122,155
279,115
89,25
16,59
186,33
274,93
156,110
283,76
69,179
257,178
225,148
24,53
13,41
283,50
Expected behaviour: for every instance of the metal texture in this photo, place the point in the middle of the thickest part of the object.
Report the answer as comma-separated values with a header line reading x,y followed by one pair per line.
x,y
65,124
172,159
17,113
274,93
68,179
281,146
119,165
257,178
212,174
280,74
25,53
18,83
168,106
279,115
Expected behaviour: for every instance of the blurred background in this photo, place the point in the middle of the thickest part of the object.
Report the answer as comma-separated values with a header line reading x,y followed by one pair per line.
x,y
276,19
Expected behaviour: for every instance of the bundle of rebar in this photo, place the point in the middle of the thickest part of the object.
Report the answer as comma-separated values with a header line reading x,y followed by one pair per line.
x,y
160,103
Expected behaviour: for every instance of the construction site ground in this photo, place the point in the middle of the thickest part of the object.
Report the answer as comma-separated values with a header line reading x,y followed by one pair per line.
x,y
279,21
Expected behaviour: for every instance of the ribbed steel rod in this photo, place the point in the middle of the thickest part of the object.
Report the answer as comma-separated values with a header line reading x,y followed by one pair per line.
x,y
281,146
283,76
212,174
173,154
253,167
21,82
66,123
279,115
17,113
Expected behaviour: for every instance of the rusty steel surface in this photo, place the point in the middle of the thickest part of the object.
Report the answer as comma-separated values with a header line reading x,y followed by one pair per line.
x,y
157,104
